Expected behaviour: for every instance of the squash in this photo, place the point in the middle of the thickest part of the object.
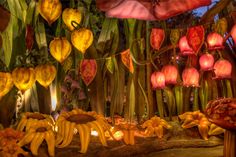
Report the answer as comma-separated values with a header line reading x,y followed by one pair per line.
x,y
6,83
60,49
50,10
81,39
23,78
45,74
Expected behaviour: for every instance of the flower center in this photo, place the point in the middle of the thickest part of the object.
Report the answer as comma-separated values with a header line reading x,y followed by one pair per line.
x,y
36,116
81,118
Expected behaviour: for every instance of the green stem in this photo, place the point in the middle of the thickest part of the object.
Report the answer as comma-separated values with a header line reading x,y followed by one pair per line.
x,y
160,104
195,99
224,90
228,89
206,94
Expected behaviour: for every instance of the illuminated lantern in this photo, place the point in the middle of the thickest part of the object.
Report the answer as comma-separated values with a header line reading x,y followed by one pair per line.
x,y
206,62
184,47
215,41
23,78
158,80
50,10
222,68
6,83
233,33
171,74
82,39
60,49
45,74
156,38
70,15
190,77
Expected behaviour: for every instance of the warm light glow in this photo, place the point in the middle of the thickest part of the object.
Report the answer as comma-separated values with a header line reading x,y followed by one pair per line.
x,y
158,80
94,133
184,47
190,77
215,41
222,69
118,135
171,74
206,62
53,92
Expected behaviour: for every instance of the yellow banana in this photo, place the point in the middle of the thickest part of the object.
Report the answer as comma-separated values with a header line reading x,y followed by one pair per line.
x,y
30,123
50,139
80,129
36,142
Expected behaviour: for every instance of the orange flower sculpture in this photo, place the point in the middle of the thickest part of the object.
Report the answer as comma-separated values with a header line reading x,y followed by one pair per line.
x,y
45,74
8,143
29,119
23,78
196,118
6,83
36,135
155,126
50,10
84,122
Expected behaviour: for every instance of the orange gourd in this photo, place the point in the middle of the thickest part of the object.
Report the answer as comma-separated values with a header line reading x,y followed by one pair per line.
x,y
70,15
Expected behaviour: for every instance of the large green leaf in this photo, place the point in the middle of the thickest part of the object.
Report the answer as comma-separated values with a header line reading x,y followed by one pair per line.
x,y
40,36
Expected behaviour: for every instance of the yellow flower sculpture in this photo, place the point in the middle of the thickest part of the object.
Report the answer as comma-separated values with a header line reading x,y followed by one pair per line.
x,y
196,118
36,135
29,119
155,126
83,122
82,39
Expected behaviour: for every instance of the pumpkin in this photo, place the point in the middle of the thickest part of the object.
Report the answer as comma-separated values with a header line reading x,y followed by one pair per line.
x,y
45,74
23,78
223,68
60,49
82,39
158,80
50,10
156,38
184,47
171,74
215,41
70,15
206,62
6,83
190,77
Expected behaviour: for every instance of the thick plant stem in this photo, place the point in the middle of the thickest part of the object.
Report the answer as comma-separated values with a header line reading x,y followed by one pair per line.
x,y
230,144
228,89
186,99
149,71
160,104
195,99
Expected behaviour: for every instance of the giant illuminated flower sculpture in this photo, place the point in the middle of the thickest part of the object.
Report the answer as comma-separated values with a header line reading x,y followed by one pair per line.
x,y
84,123
196,118
29,119
155,126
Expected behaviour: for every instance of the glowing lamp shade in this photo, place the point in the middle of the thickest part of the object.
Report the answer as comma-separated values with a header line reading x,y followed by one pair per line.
x,y
171,74
215,41
190,77
158,80
233,33
222,69
206,62
184,47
